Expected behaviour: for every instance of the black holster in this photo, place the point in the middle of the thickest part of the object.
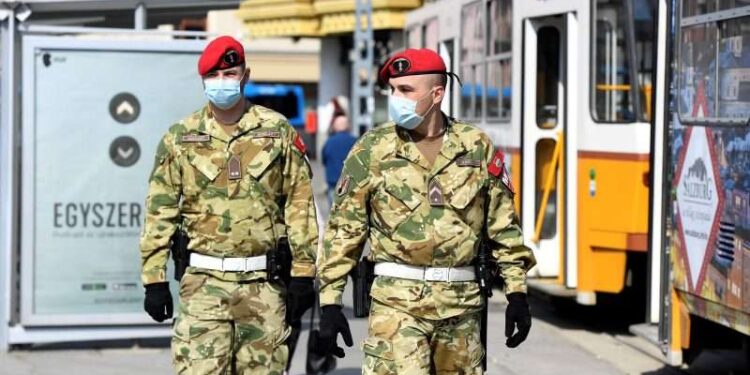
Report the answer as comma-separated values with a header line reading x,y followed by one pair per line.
x,y
180,254
363,275
279,263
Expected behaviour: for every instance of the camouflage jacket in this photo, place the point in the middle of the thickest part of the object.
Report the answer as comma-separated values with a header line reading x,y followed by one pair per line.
x,y
230,216
383,195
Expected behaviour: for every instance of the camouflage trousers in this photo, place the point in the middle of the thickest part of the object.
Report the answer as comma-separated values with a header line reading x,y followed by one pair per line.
x,y
400,343
228,327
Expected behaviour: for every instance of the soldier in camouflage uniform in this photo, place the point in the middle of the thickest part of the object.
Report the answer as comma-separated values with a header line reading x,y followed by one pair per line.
x,y
421,190
235,178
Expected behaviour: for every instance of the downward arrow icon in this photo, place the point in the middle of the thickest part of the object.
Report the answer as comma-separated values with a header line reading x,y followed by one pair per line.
x,y
124,153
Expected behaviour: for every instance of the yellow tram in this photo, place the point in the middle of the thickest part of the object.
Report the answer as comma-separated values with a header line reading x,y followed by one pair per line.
x,y
580,95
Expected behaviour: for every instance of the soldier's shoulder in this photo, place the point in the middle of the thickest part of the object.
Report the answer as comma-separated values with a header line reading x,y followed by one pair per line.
x,y
270,120
268,117
467,129
471,134
379,138
190,124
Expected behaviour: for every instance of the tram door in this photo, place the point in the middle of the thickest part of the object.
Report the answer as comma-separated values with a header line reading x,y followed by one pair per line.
x,y
543,129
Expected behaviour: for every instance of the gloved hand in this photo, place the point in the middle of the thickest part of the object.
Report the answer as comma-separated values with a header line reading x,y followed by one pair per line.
x,y
517,314
158,302
300,296
333,322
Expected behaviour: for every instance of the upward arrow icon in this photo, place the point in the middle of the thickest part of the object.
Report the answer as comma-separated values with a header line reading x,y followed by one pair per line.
x,y
125,107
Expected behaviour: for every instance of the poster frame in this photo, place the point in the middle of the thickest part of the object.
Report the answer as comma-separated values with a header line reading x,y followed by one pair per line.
x,y
31,45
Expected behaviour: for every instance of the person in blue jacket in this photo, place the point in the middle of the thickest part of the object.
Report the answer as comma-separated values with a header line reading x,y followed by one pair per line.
x,y
335,151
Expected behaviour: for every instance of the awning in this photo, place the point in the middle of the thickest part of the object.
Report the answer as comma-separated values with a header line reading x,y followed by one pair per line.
x,y
296,18
339,23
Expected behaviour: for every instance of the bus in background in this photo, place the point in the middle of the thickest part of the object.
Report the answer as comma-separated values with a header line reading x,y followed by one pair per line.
x,y
577,95
289,100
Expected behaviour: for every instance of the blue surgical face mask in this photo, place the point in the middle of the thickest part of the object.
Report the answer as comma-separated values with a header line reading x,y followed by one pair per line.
x,y
223,93
403,111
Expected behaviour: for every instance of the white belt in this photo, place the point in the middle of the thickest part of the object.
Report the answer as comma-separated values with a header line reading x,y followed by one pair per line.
x,y
228,264
405,271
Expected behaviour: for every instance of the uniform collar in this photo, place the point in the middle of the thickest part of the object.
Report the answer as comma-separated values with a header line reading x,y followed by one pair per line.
x,y
451,148
249,121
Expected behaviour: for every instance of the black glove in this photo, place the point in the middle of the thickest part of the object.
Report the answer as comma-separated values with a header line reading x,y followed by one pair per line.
x,y
333,322
517,314
300,296
158,301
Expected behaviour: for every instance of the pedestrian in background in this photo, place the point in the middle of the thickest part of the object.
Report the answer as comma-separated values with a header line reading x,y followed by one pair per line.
x,y
336,149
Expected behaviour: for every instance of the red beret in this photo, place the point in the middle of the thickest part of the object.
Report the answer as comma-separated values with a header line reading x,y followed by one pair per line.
x,y
412,62
222,53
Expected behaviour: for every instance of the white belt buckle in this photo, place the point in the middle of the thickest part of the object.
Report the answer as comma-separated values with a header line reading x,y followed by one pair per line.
x,y
438,274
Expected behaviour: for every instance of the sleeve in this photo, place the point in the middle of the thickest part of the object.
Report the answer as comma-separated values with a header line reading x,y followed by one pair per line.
x,y
513,258
300,216
347,228
162,213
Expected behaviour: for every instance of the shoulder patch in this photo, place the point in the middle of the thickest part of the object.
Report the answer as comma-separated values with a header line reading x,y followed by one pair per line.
x,y
299,144
497,169
343,185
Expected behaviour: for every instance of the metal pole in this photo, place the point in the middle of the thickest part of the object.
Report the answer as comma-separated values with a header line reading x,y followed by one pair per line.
x,y
8,169
362,56
140,16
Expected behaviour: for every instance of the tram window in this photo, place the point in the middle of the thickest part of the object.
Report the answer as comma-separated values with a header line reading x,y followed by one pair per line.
x,y
548,77
497,93
501,26
617,24
472,33
714,78
471,91
696,7
697,72
645,35
612,99
430,34
692,8
734,70
472,59
498,89
730,4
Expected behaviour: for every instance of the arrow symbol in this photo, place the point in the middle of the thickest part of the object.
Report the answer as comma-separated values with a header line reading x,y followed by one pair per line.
x,y
125,107
124,154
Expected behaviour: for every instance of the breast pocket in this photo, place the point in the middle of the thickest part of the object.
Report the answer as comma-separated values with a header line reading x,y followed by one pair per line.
x,y
203,171
464,185
263,161
394,203
259,190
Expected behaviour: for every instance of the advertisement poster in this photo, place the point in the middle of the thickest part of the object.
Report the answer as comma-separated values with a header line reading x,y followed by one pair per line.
x,y
711,212
698,201
98,118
